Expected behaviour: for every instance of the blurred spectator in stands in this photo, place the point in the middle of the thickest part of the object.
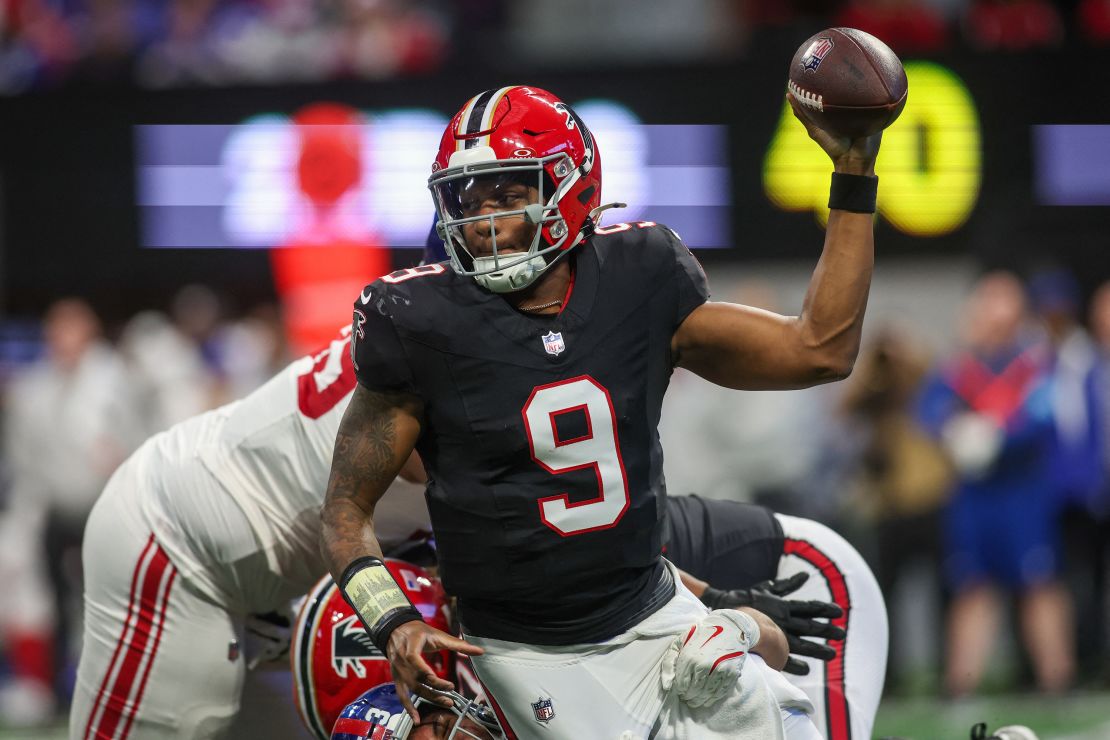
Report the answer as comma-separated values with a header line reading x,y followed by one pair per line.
x,y
37,44
584,32
1078,471
282,41
383,38
252,350
196,312
760,446
1093,19
903,477
907,26
187,48
70,421
172,381
991,407
108,29
1100,557
26,612
1013,25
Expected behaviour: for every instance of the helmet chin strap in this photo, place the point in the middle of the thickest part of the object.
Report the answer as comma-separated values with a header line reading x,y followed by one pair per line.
x,y
519,275
512,278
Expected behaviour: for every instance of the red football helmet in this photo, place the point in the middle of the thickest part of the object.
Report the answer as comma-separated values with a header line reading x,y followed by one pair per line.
x,y
334,661
520,134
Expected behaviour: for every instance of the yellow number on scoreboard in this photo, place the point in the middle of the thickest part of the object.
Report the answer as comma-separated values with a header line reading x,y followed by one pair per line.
x,y
930,161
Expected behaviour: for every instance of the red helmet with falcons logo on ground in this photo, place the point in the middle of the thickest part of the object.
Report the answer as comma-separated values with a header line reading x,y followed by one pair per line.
x,y
333,659
522,135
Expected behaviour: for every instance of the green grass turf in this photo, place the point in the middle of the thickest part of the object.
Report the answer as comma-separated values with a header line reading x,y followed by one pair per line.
x,y
1076,717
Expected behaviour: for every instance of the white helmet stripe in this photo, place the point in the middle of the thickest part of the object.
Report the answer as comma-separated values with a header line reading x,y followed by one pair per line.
x,y
478,116
491,109
463,120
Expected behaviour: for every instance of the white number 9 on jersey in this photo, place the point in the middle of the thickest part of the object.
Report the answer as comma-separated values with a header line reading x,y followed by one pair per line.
x,y
598,449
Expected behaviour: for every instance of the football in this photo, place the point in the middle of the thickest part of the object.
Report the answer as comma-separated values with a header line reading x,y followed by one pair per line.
x,y
848,82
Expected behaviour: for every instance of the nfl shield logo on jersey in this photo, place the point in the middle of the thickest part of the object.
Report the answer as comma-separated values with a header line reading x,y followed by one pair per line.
x,y
543,710
553,342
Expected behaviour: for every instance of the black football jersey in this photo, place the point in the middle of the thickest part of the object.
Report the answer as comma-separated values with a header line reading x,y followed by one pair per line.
x,y
546,488
728,544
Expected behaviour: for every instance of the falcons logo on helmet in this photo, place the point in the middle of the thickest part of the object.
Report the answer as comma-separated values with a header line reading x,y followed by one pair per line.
x,y
350,646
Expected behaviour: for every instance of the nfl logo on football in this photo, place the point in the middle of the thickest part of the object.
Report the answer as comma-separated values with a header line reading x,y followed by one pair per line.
x,y
543,709
553,342
817,53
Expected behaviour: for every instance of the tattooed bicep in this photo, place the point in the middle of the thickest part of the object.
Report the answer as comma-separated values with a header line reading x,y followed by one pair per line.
x,y
368,406
376,436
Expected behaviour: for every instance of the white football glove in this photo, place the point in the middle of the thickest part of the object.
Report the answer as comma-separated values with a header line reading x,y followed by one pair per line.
x,y
704,665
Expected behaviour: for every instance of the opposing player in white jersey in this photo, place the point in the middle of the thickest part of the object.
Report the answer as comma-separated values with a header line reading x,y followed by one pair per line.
x,y
208,522
730,550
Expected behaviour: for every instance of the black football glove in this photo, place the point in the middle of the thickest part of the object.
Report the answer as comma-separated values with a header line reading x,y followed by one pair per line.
x,y
795,618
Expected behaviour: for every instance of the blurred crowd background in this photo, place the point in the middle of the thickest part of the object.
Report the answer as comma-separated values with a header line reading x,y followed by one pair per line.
x,y
163,43
967,457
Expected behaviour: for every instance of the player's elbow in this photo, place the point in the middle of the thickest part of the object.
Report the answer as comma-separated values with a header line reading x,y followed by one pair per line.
x,y
832,369
826,356
826,364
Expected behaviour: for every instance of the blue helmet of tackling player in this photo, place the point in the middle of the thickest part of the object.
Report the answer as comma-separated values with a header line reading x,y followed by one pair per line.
x,y
434,251
379,715
502,141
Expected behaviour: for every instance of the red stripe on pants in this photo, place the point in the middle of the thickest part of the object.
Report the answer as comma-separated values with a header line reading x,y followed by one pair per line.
x,y
102,692
509,734
116,703
153,653
836,701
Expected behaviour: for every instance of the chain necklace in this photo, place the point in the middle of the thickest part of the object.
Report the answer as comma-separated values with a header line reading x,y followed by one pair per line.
x,y
556,302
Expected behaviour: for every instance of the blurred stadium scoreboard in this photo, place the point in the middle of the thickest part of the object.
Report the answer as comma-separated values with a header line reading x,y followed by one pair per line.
x,y
237,186
244,185
930,161
1002,156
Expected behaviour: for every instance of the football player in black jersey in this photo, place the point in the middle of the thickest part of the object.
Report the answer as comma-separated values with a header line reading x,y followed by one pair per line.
x,y
529,372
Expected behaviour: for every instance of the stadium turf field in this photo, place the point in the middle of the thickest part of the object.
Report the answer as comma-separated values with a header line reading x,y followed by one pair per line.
x,y
1076,717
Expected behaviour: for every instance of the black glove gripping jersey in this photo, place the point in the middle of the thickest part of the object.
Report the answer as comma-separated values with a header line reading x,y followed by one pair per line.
x,y
546,487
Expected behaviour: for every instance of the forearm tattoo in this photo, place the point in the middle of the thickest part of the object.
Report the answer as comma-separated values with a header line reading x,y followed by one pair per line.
x,y
363,466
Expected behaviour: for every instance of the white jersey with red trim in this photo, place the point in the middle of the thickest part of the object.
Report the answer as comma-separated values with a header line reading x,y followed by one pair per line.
x,y
845,691
266,461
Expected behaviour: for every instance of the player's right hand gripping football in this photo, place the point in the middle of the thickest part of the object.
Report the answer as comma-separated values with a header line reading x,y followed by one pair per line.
x,y
797,618
850,156
703,666
411,673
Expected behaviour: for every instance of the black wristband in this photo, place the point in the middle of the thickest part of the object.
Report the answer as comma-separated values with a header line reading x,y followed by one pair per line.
x,y
855,193
379,626
381,632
